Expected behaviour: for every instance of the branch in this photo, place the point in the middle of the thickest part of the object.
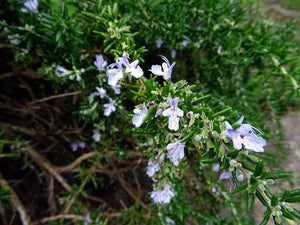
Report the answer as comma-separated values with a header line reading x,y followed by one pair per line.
x,y
58,217
71,166
56,96
16,202
44,163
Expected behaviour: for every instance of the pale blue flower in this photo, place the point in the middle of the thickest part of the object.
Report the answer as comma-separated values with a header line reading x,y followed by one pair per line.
x,y
96,136
100,63
30,5
153,167
109,107
219,50
114,73
228,175
169,221
60,71
133,68
244,135
159,42
101,92
16,41
173,53
216,167
162,196
81,144
185,43
173,113
77,145
87,219
175,151
164,70
117,89
140,114
74,147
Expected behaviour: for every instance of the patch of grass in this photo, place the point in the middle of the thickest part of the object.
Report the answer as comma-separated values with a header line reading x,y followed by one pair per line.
x,y
291,4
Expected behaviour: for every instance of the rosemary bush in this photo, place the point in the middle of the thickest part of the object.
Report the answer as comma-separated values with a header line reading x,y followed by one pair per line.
x,y
157,87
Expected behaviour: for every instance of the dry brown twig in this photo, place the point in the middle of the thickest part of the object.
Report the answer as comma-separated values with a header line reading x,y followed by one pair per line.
x,y
56,96
58,217
44,163
16,202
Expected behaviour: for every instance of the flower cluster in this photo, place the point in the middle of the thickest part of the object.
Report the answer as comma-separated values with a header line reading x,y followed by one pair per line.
x,y
163,196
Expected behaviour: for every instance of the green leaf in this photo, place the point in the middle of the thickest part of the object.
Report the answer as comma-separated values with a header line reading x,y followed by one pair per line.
x,y
293,199
259,168
189,135
246,166
266,217
222,112
274,200
253,187
296,213
238,189
287,214
200,99
233,154
213,160
250,201
294,193
278,175
261,198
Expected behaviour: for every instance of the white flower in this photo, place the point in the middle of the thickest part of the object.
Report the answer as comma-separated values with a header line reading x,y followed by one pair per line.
x,y
173,113
74,146
114,73
140,114
173,53
164,70
109,107
153,167
185,43
30,5
219,50
216,167
87,219
169,221
16,41
60,71
175,151
117,89
100,63
158,42
81,145
133,68
96,136
244,135
101,92
162,196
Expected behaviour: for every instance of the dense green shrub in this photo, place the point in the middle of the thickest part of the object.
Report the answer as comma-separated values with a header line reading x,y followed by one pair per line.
x,y
145,115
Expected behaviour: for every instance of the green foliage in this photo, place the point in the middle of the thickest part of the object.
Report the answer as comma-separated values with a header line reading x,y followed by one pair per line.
x,y
231,61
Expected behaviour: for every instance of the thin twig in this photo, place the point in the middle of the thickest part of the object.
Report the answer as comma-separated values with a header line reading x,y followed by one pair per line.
x,y
58,217
3,215
16,202
51,199
56,96
128,190
44,163
72,165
